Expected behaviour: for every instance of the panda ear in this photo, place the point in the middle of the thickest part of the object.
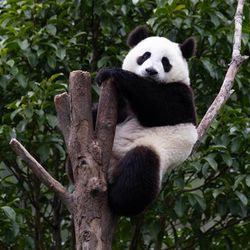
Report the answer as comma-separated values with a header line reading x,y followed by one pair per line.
x,y
188,48
137,35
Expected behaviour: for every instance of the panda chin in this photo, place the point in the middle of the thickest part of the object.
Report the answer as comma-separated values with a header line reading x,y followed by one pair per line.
x,y
155,78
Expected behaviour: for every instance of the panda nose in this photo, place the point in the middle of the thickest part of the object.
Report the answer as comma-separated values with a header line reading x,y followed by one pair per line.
x,y
151,71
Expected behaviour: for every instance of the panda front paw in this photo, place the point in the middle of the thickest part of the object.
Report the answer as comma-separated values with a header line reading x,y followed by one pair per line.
x,y
105,74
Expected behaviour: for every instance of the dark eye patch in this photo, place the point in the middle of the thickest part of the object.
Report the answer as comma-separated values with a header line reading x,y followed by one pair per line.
x,y
166,64
143,58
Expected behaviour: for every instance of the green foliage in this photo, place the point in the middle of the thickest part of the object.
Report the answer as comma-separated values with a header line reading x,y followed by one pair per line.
x,y
204,204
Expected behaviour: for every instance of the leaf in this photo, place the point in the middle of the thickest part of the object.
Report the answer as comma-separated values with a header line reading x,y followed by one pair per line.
x,y
22,80
209,66
43,152
14,113
237,208
55,76
52,120
103,62
227,159
217,192
135,2
11,63
179,207
201,201
9,212
238,181
210,159
180,183
52,62
16,228
21,126
235,145
180,7
32,59
28,112
23,44
61,53
191,199
222,208
242,198
51,29
248,180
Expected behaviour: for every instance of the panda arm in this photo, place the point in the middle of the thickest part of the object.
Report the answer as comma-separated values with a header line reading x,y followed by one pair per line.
x,y
154,103
163,104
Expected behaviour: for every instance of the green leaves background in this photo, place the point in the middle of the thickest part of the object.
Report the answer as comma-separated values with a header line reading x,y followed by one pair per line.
x,y
204,204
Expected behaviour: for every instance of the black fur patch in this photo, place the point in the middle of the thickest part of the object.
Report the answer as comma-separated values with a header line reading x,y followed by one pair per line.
x,y
137,184
188,48
154,103
141,59
94,113
166,64
137,35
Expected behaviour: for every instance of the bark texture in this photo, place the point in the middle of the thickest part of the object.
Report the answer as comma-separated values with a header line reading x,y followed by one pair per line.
x,y
89,153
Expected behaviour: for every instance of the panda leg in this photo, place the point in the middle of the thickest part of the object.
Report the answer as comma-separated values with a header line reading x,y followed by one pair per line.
x,y
137,182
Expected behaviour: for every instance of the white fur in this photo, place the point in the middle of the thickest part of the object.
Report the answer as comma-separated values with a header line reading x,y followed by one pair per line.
x,y
173,144
158,47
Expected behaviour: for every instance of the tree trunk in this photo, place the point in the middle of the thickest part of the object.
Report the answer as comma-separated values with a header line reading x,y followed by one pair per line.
x,y
89,153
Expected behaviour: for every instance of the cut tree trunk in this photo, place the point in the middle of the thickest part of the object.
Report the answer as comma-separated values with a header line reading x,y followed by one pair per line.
x,y
89,153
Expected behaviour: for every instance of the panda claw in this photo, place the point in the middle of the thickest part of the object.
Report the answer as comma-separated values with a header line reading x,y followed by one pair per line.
x,y
103,75
107,73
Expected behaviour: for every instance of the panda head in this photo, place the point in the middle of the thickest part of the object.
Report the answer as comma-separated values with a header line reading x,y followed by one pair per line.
x,y
157,57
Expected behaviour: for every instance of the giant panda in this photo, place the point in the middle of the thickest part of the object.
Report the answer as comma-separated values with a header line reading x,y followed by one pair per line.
x,y
156,125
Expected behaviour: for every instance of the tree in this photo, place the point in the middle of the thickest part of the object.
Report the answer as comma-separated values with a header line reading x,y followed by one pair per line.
x,y
191,203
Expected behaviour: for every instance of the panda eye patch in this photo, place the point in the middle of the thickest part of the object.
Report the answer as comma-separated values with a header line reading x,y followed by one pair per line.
x,y
166,64
143,58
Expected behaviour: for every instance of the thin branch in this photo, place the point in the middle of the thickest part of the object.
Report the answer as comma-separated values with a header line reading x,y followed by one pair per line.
x,y
137,233
238,29
226,88
160,235
207,181
42,174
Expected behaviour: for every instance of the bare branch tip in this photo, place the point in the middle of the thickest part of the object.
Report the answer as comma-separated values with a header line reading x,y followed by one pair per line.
x,y
13,141
245,57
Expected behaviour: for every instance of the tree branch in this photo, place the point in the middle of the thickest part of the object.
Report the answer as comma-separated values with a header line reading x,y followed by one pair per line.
x,y
81,130
89,153
226,88
42,174
105,122
63,114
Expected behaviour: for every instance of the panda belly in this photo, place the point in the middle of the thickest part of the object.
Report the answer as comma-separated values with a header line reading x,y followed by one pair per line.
x,y
140,158
172,144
